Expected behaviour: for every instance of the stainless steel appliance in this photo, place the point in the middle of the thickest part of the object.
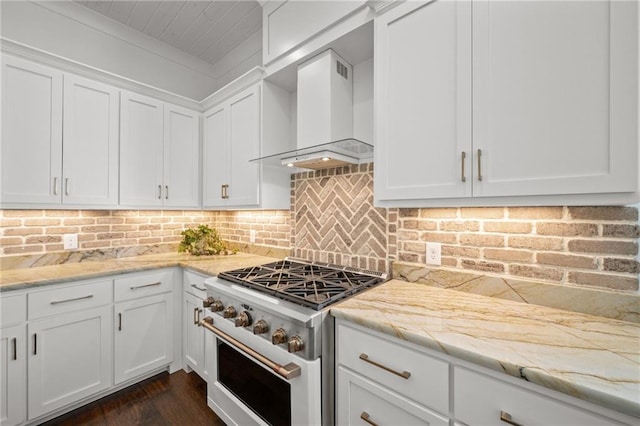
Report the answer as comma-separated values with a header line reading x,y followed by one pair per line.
x,y
271,359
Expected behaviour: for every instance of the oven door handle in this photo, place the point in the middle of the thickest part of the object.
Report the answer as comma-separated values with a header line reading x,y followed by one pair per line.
x,y
288,371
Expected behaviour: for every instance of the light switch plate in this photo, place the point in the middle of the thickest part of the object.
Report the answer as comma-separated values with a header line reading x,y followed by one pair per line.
x,y
252,235
434,254
70,241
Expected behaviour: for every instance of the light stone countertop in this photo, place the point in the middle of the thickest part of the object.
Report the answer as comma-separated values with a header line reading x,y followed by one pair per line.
x,y
14,279
592,358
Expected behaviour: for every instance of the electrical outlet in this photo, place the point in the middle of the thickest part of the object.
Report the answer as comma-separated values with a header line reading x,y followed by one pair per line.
x,y
70,241
434,254
252,235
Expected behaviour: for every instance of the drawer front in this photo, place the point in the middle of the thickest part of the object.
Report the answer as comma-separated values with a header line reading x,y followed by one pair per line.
x,y
480,399
361,401
13,309
69,299
194,283
143,284
428,382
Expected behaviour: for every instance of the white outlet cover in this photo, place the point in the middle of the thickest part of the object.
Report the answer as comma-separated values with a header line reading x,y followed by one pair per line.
x,y
434,254
70,241
252,235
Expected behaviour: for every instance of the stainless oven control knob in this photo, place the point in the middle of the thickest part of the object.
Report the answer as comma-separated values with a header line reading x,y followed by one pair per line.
x,y
279,336
243,319
260,327
295,344
230,312
217,306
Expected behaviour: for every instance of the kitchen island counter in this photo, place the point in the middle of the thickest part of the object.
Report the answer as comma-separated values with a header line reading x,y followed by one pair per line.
x,y
592,358
14,279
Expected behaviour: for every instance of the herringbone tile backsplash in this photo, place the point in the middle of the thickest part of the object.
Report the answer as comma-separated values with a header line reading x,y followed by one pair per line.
x,y
334,220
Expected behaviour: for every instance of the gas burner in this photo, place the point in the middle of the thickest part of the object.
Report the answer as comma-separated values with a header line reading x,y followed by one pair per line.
x,y
315,285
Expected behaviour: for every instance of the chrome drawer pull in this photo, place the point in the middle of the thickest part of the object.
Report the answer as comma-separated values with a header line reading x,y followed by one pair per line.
x,y
159,192
404,374
365,416
198,288
135,287
506,417
463,177
57,302
288,371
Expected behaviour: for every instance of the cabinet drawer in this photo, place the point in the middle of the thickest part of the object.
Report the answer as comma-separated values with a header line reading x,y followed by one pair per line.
x,y
13,309
60,300
144,284
428,383
194,283
359,399
480,399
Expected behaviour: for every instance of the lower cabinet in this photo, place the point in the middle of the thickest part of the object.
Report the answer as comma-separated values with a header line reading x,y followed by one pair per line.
x,y
69,358
143,337
193,334
13,375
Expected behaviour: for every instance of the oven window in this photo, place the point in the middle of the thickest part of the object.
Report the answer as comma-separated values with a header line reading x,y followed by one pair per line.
x,y
268,395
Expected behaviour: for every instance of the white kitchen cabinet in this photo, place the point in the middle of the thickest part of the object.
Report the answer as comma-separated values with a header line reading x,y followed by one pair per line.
x,y
53,155
193,335
386,381
480,399
90,143
253,122
69,344
31,132
13,360
144,323
512,99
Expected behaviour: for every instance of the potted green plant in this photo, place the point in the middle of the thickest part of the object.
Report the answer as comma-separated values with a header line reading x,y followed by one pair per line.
x,y
202,240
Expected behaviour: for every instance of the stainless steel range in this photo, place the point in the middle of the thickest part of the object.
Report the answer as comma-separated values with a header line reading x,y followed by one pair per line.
x,y
271,351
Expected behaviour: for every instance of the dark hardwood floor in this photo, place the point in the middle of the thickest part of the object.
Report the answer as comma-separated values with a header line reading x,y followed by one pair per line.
x,y
165,399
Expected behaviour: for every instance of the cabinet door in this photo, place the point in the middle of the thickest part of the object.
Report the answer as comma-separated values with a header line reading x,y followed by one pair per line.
x,y
90,155
143,336
13,375
69,358
215,156
555,97
193,334
244,145
423,101
31,132
181,157
141,144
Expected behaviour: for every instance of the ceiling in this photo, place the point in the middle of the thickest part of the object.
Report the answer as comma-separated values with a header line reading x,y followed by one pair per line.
x,y
205,29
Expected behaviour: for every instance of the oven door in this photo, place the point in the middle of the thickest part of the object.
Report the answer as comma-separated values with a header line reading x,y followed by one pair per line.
x,y
245,387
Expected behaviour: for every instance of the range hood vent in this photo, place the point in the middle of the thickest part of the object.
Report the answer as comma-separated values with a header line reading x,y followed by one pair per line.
x,y
324,118
323,156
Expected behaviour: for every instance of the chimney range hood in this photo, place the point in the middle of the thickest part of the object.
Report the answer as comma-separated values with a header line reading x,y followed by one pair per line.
x,y
325,118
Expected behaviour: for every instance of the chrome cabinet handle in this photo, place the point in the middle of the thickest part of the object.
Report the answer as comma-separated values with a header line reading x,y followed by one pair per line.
x,y
196,320
119,321
479,165
288,371
135,287
506,417
55,186
166,192
14,342
159,192
57,302
66,186
222,191
35,344
404,374
464,157
198,288
365,416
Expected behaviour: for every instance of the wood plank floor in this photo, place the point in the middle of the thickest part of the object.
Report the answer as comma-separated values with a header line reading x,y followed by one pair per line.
x,y
165,399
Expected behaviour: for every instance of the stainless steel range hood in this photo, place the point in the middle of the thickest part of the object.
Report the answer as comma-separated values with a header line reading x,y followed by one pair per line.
x,y
324,118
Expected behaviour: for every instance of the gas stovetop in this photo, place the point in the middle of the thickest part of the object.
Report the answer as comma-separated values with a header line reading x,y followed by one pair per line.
x,y
311,284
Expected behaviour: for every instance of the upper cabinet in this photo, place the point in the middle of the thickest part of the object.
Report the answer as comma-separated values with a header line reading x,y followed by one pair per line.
x,y
254,122
44,162
535,101
159,151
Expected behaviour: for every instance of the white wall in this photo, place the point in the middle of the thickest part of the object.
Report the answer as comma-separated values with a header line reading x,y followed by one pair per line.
x,y
74,32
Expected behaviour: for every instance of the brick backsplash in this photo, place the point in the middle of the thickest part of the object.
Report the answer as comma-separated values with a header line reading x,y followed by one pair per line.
x,y
24,232
592,246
